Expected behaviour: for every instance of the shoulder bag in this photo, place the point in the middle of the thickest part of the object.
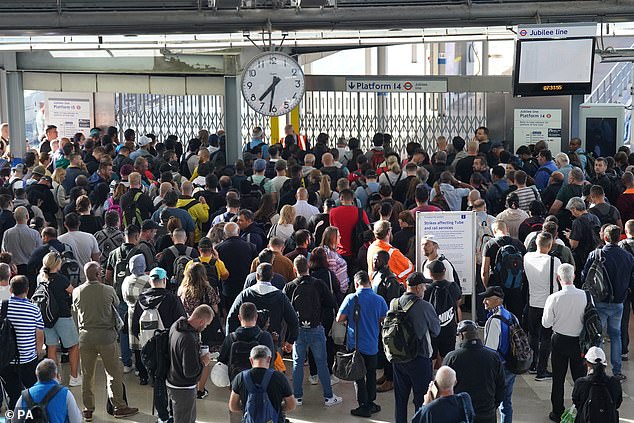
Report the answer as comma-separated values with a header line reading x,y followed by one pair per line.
x,y
350,366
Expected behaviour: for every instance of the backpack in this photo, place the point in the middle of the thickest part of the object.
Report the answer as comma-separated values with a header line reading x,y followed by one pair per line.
x,y
305,302
121,268
258,408
37,412
239,353
445,308
599,407
107,244
259,186
212,273
249,149
155,354
115,207
184,167
399,338
70,266
149,322
498,204
357,232
483,234
520,355
597,281
439,200
378,157
606,218
178,267
592,330
132,214
388,288
589,169
8,338
46,303
509,266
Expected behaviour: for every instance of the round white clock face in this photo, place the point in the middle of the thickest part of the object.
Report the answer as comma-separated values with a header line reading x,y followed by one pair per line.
x,y
273,84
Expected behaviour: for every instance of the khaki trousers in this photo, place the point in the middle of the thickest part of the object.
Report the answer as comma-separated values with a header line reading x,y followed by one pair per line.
x,y
114,373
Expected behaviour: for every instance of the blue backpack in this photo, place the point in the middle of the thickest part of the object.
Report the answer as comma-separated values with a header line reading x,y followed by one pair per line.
x,y
258,408
509,266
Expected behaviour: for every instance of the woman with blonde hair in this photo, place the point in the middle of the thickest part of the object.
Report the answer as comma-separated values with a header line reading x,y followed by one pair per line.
x,y
283,229
194,291
394,173
336,263
325,190
60,327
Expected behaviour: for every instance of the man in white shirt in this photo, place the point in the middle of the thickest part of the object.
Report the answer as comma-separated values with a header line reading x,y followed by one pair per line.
x,y
278,181
563,312
5,275
541,273
302,208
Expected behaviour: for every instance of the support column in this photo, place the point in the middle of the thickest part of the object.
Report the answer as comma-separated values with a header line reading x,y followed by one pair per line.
x,y
17,124
485,58
575,102
233,115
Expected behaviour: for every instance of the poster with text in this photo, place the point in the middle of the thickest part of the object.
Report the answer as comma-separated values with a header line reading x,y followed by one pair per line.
x,y
455,234
70,112
533,125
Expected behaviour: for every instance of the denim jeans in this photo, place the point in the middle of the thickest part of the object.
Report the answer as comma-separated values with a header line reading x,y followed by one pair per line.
x,y
611,315
506,407
124,338
315,339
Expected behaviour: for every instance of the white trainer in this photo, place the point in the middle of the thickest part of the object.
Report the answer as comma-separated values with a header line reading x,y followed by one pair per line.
x,y
334,400
75,381
314,380
334,380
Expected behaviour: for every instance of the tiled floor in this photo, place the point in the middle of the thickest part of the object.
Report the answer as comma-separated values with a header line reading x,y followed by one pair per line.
x,y
531,401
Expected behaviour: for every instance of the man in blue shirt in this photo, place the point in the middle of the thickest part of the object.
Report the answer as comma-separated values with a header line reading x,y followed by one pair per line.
x,y
415,375
497,337
372,310
546,167
61,406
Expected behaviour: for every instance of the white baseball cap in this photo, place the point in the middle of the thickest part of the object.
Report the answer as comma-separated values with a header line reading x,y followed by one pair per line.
x,y
430,237
143,141
596,355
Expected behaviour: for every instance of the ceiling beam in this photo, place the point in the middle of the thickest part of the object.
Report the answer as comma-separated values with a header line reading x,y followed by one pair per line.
x,y
354,18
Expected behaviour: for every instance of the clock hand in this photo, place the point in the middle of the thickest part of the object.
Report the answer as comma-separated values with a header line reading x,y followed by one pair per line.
x,y
276,81
271,102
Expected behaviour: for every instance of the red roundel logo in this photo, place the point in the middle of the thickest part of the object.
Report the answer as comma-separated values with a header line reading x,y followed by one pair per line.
x,y
523,32
407,86
548,115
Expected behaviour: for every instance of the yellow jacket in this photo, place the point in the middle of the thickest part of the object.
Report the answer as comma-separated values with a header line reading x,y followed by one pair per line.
x,y
198,211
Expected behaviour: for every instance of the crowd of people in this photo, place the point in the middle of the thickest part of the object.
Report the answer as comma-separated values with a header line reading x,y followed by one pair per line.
x,y
164,259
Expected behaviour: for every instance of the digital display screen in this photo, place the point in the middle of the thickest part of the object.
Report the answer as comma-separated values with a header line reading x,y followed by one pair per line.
x,y
553,67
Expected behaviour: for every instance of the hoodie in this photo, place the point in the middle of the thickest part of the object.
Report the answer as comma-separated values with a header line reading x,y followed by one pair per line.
x,y
169,306
266,296
255,235
185,366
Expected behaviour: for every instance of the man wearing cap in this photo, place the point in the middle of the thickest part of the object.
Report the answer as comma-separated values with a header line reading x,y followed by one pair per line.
x,y
444,296
16,179
143,151
258,179
399,264
480,370
40,194
257,140
430,251
170,309
146,242
371,186
563,312
596,363
497,336
415,375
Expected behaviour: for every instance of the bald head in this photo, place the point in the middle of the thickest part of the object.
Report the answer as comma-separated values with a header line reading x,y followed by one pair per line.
x,y
231,229
446,378
187,188
302,194
327,159
309,160
21,215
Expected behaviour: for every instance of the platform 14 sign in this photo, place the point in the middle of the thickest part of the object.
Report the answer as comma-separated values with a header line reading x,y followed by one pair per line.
x,y
396,86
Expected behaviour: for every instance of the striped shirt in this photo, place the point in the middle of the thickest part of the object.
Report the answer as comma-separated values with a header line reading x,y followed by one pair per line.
x,y
26,319
526,195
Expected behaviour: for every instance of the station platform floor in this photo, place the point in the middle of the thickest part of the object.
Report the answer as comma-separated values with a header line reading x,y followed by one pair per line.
x,y
531,400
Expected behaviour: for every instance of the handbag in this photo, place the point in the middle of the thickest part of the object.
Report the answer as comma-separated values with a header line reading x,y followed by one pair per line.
x,y
350,366
338,329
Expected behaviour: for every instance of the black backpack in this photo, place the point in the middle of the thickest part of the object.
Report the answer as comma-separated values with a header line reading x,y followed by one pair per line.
x,y
121,268
37,412
440,299
592,331
509,266
184,167
46,303
388,288
8,339
597,281
239,353
212,273
357,232
258,187
305,301
599,407
155,354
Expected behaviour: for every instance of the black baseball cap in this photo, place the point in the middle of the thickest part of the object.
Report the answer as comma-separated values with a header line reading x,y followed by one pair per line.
x,y
492,291
436,267
467,326
416,278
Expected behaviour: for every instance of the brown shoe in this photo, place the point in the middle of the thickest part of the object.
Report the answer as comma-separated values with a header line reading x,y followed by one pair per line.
x,y
120,413
380,380
385,386
87,414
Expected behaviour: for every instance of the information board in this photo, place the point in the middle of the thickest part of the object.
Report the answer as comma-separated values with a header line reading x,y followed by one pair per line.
x,y
455,234
533,125
70,112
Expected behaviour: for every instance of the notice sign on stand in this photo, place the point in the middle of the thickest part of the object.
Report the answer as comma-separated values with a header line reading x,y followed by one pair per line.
x,y
533,125
70,114
455,234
